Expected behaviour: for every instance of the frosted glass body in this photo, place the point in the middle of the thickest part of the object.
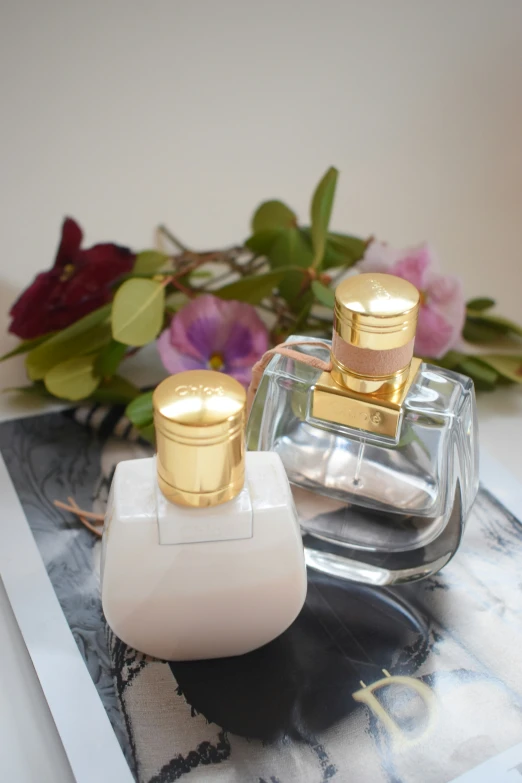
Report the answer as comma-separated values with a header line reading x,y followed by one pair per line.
x,y
392,510
218,595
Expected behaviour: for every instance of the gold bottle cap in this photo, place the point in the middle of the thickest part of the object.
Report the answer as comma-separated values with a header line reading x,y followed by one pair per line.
x,y
376,311
375,318
199,417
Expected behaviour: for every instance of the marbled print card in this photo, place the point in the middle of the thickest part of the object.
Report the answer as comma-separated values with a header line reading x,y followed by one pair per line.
x,y
416,684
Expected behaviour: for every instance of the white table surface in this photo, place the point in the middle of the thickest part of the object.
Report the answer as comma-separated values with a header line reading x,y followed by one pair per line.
x,y
191,112
30,749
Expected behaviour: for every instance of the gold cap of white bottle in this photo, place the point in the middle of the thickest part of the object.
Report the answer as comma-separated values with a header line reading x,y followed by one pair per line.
x,y
199,417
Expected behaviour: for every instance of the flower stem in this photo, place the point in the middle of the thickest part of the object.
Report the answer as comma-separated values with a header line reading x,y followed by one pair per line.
x,y
239,265
183,288
82,515
174,240
73,507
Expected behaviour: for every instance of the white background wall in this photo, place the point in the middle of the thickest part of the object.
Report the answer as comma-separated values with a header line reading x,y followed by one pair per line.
x,y
125,114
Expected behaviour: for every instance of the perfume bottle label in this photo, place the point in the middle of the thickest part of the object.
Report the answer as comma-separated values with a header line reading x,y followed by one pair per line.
x,y
361,415
379,415
228,521
186,390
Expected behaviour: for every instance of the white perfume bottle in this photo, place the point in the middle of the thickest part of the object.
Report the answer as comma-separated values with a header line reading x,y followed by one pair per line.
x,y
202,554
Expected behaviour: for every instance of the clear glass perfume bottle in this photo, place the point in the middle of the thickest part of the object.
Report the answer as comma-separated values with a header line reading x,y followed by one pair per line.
x,y
382,450
202,554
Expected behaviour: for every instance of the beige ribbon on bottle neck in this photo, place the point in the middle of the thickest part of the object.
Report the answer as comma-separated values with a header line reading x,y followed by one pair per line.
x,y
286,349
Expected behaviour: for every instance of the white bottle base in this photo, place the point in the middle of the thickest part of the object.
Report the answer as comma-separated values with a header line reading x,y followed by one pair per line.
x,y
201,599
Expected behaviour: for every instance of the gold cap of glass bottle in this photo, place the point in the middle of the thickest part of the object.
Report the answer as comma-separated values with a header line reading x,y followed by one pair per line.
x,y
373,367
375,318
199,417
376,311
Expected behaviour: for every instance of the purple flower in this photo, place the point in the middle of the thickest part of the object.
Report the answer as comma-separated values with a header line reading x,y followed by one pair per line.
x,y
215,334
442,311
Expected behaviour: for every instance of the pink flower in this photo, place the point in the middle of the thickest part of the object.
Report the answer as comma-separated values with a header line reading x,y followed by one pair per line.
x,y
215,334
442,311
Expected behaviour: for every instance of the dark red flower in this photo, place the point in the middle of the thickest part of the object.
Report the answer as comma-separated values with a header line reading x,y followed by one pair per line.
x,y
79,282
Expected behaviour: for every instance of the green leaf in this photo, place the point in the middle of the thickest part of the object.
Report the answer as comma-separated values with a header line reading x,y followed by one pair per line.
x,y
344,248
291,289
449,361
139,411
82,325
57,350
253,289
509,367
481,327
321,210
108,361
137,311
62,345
73,379
27,345
273,214
340,249
262,243
485,377
74,340
291,249
502,325
323,294
476,332
302,316
36,389
148,433
482,303
116,391
149,261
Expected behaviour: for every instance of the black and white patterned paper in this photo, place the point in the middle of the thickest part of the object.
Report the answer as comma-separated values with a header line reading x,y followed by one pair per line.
x,y
372,685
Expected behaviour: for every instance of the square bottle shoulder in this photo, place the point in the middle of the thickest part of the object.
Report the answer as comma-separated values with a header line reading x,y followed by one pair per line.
x,y
290,369
267,481
133,489
435,389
